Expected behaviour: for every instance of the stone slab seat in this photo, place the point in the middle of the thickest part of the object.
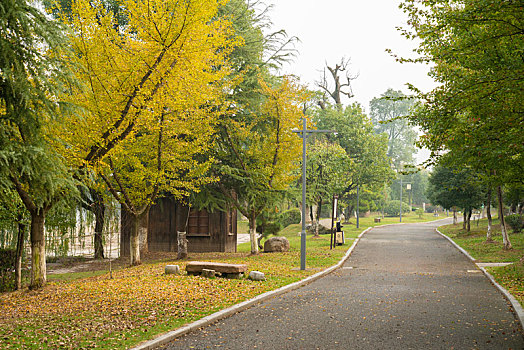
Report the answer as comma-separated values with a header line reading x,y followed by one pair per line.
x,y
198,266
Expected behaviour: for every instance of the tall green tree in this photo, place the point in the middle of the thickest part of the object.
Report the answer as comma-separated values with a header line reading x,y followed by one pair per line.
x,y
255,149
476,111
387,112
328,172
456,187
31,75
367,150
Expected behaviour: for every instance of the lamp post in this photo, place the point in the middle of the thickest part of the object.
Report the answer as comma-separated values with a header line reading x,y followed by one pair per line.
x,y
400,197
358,206
304,133
408,187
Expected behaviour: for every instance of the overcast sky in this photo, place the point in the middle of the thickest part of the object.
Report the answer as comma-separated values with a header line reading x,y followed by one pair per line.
x,y
357,29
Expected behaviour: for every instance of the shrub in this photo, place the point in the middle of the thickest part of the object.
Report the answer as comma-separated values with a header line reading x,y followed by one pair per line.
x,y
420,212
269,228
7,265
516,222
289,217
392,208
431,208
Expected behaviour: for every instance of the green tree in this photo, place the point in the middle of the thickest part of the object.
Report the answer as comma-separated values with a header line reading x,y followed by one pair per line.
x,y
452,187
31,76
257,151
13,219
387,114
328,170
367,150
476,111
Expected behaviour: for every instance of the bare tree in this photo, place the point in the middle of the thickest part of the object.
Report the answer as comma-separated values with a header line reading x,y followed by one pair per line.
x,y
342,83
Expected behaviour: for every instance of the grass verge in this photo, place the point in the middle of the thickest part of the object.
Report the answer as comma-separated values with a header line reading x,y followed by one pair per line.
x,y
511,277
90,310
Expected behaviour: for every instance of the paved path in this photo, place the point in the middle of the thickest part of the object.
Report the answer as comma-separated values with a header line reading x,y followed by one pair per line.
x,y
404,287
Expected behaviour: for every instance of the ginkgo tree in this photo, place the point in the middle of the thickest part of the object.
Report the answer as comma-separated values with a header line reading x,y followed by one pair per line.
x,y
257,151
151,85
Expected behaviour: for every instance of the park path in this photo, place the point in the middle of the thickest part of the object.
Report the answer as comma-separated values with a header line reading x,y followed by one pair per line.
x,y
403,287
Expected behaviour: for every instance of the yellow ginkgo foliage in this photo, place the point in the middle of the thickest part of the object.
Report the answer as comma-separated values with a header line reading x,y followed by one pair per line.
x,y
259,152
152,77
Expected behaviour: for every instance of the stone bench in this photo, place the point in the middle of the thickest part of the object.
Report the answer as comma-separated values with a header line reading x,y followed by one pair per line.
x,y
225,270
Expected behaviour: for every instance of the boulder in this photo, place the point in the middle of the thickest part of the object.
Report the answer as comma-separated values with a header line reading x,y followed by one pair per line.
x,y
276,244
257,276
172,270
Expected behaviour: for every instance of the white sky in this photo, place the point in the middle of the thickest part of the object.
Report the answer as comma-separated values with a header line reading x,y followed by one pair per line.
x,y
357,29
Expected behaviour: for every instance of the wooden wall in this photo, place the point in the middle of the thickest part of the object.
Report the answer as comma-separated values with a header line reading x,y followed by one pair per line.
x,y
207,232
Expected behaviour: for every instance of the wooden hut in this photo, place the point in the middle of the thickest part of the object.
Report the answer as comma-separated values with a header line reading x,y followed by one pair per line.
x,y
206,232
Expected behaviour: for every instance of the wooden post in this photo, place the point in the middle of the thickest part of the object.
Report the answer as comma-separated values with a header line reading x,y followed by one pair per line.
x,y
182,245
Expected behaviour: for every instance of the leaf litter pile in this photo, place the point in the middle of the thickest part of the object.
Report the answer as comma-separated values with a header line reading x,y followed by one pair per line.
x,y
138,303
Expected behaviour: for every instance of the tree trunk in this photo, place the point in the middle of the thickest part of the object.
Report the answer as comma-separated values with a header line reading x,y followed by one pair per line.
x,y
259,242
317,218
99,211
464,220
143,230
489,234
350,211
182,245
468,227
253,232
19,253
134,240
505,237
38,266
455,219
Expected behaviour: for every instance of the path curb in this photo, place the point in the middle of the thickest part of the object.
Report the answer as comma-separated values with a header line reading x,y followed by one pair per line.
x,y
168,337
519,311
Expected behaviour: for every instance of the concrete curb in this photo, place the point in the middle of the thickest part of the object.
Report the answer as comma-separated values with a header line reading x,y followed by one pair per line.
x,y
167,337
519,311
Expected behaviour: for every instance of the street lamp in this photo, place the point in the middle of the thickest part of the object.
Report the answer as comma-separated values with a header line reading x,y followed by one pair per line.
x,y
358,206
399,172
408,187
304,133
400,197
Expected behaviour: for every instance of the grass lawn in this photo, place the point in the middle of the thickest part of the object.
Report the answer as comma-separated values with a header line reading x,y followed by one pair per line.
x,y
75,311
90,310
510,277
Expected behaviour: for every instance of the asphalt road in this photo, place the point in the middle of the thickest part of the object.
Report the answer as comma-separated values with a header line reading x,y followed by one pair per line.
x,y
404,287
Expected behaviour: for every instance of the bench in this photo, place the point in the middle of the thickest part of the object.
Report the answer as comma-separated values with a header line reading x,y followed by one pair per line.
x,y
225,270
377,219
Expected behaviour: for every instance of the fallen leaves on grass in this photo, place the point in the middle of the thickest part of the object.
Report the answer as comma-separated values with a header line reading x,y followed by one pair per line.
x,y
100,312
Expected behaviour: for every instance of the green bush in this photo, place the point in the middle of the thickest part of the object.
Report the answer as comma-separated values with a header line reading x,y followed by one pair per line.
x,y
431,208
290,217
516,222
420,212
392,208
7,265
269,228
